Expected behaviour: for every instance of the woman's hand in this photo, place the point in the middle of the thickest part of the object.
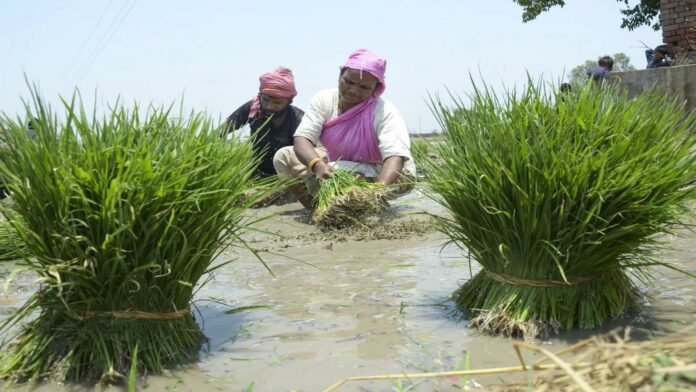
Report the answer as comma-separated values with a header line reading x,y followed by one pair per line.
x,y
323,170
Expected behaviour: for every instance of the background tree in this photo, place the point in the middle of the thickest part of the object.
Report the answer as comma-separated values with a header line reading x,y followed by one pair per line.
x,y
644,13
578,75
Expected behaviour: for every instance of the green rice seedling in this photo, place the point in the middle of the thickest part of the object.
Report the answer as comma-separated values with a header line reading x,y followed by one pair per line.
x,y
11,245
420,151
123,215
345,200
562,202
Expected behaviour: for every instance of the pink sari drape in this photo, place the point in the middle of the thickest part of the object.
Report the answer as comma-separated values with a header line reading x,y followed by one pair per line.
x,y
351,136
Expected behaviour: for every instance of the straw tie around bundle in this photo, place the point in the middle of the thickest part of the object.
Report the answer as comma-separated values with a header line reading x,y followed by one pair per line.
x,y
136,314
507,279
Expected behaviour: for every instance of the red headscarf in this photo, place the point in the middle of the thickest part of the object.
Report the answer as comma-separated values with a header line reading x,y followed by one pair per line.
x,y
279,83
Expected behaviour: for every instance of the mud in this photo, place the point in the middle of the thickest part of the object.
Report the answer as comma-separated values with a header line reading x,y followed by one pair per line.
x,y
360,302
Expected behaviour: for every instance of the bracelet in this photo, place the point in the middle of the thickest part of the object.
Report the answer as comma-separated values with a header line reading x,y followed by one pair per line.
x,y
313,163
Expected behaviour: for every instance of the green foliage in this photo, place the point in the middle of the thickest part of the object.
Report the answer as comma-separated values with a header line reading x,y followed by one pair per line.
x,y
644,13
578,75
423,155
420,149
534,8
11,245
576,191
122,214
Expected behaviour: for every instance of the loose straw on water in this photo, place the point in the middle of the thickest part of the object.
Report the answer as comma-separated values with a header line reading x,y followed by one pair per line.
x,y
608,362
459,373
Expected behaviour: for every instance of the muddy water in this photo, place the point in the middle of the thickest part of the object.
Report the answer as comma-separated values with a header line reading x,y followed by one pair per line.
x,y
361,308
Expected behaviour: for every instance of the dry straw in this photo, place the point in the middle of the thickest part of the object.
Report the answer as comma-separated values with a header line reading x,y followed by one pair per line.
x,y
603,363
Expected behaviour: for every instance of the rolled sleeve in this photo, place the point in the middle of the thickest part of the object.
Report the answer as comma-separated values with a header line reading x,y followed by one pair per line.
x,y
392,132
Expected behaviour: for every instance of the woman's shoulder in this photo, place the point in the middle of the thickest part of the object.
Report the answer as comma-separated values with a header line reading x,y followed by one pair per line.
x,y
325,102
386,106
327,95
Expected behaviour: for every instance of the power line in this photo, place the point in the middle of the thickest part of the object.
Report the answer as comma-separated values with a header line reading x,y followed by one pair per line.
x,y
84,44
106,38
96,49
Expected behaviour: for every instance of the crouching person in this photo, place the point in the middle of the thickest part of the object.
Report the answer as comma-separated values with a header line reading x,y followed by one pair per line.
x,y
350,128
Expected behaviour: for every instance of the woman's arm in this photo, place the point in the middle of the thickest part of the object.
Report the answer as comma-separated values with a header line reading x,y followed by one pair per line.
x,y
394,142
304,149
391,170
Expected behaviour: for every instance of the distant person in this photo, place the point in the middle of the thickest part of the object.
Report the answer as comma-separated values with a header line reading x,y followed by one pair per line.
x,y
31,131
350,127
564,91
604,66
3,146
271,117
658,57
31,128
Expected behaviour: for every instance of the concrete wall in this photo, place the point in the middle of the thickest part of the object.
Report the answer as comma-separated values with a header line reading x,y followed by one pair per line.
x,y
679,81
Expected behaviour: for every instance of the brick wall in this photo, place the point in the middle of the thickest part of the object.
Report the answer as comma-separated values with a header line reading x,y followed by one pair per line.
x,y
678,18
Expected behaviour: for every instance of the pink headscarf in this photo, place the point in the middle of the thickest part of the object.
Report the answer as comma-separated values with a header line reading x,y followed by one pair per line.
x,y
279,83
364,60
352,136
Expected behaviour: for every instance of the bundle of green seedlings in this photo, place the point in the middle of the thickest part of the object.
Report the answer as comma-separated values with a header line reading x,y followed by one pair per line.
x,y
345,200
123,215
11,245
562,202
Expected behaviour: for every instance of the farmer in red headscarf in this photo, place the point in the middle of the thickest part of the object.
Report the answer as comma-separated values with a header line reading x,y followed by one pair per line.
x,y
349,127
271,117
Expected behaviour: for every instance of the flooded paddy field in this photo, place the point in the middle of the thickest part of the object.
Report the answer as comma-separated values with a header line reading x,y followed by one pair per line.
x,y
358,303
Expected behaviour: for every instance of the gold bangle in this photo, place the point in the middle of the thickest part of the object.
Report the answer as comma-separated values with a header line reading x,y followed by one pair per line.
x,y
313,163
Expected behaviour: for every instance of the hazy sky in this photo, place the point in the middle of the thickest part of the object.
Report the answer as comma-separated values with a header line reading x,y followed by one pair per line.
x,y
212,52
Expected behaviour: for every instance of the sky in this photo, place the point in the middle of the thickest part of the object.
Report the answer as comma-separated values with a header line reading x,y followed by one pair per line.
x,y
211,53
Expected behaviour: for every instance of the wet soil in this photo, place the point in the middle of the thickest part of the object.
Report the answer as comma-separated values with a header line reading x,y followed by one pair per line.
x,y
357,302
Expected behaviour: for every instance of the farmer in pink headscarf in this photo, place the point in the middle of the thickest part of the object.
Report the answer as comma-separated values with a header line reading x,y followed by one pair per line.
x,y
273,102
352,128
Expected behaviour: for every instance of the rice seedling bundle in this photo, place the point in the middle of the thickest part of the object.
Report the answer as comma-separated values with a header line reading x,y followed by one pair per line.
x,y
345,200
562,202
123,216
